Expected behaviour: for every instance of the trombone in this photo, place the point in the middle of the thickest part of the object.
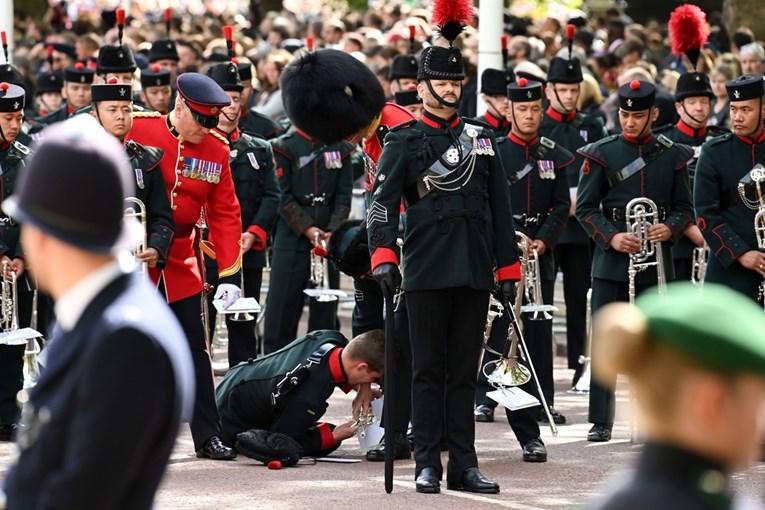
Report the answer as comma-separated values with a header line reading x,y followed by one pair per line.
x,y
532,288
319,275
641,214
699,266
136,217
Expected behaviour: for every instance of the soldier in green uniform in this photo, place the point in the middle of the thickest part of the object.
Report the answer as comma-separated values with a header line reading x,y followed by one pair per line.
x,y
117,61
459,227
494,84
252,167
725,191
693,102
287,391
402,74
536,169
571,129
616,170
156,91
77,82
48,96
699,387
112,107
12,155
251,122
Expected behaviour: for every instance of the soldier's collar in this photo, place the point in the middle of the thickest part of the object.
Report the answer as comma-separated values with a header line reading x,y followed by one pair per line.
x,y
436,122
336,369
4,146
305,135
751,141
560,117
171,127
638,141
520,141
691,131
493,121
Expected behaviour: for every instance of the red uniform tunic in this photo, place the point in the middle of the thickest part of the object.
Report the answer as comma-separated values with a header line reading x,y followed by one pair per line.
x,y
198,180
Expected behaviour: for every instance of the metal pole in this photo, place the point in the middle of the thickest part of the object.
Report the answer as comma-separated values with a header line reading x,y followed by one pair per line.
x,y
6,24
491,20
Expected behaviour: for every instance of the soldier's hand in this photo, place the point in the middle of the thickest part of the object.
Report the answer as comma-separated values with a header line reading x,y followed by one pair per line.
x,y
18,266
753,260
625,242
363,400
388,276
150,256
660,233
694,234
509,290
345,431
539,245
313,234
248,239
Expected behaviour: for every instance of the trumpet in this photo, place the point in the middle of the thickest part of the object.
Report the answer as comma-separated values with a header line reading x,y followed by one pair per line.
x,y
642,213
136,217
532,288
9,307
700,261
319,275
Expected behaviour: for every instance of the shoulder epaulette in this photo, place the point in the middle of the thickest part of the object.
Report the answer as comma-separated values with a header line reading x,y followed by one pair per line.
x,y
546,142
608,139
21,147
146,114
403,125
719,139
715,131
666,142
478,122
219,136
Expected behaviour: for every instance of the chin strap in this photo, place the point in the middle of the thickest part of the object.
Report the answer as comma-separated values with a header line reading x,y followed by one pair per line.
x,y
694,119
515,124
560,103
440,99
231,119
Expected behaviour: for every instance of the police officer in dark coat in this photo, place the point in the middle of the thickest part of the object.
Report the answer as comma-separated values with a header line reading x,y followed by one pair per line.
x,y
112,107
536,170
494,84
252,167
314,167
287,391
693,101
459,227
98,428
616,170
566,126
725,191
704,428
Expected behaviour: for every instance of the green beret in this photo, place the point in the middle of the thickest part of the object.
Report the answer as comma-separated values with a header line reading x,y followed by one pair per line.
x,y
718,328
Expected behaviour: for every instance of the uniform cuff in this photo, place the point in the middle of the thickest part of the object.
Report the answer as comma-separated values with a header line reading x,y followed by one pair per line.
x,y
260,237
383,256
511,272
325,433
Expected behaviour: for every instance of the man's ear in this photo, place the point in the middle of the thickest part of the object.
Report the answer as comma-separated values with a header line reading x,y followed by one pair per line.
x,y
654,114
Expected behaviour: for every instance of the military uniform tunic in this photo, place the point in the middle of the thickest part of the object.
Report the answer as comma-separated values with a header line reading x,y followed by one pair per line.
x,y
726,223
256,124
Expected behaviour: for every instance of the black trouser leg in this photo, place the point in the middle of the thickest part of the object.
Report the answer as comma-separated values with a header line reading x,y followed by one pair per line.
x,y
368,310
539,341
575,263
241,334
205,422
324,315
12,361
284,304
524,421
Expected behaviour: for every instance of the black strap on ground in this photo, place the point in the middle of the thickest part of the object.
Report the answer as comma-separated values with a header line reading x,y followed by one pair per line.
x,y
389,390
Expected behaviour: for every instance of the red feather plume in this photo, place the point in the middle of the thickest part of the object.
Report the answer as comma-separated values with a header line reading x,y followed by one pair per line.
x,y
688,29
120,16
570,31
4,37
168,15
451,16
309,42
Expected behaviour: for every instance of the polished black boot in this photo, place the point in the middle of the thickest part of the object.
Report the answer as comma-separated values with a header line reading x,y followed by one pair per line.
x,y
484,414
534,451
599,433
428,481
215,449
473,481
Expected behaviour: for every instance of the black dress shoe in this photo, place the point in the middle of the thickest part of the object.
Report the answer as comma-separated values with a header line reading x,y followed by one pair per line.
x,y
428,481
215,449
401,450
8,432
534,451
558,418
599,433
473,481
484,414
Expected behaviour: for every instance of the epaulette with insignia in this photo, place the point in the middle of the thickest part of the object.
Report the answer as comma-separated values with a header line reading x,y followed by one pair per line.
x,y
23,149
718,139
146,114
546,142
219,136
666,142
477,122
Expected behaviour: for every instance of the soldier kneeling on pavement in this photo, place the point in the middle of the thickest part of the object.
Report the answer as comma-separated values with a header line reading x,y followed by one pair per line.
x,y
286,392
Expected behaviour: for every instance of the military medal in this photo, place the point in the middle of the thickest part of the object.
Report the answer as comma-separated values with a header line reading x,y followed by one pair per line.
x,y
333,160
253,160
139,178
546,169
484,147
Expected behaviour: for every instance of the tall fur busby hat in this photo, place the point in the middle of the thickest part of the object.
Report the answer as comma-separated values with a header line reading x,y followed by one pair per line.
x,y
688,32
437,63
330,95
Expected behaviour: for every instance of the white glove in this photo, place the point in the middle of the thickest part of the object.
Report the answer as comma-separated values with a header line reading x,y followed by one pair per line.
x,y
228,293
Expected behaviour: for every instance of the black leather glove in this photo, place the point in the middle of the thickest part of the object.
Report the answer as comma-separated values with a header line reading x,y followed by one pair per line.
x,y
508,291
388,276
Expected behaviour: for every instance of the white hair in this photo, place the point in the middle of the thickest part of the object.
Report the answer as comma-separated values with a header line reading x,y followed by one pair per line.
x,y
753,49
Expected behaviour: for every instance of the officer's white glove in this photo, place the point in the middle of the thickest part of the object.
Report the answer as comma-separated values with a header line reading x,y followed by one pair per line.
x,y
228,293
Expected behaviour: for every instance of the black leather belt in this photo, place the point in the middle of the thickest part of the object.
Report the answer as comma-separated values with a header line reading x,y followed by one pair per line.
x,y
527,220
313,200
620,215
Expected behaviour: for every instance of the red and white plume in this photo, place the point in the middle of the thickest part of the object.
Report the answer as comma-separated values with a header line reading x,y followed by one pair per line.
x,y
688,31
451,17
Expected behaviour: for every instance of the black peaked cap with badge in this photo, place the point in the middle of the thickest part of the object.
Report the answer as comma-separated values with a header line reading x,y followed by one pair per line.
x,y
111,91
523,90
330,95
743,88
49,82
78,73
636,96
155,76
11,98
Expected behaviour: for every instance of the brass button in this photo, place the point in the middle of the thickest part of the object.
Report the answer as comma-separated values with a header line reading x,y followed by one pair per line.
x,y
175,194
175,207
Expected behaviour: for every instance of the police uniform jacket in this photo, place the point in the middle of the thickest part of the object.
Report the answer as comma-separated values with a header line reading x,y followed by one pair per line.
x,y
457,234
12,162
101,422
572,132
316,187
196,176
694,138
256,124
536,171
245,395
150,189
669,478
252,167
603,195
725,221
